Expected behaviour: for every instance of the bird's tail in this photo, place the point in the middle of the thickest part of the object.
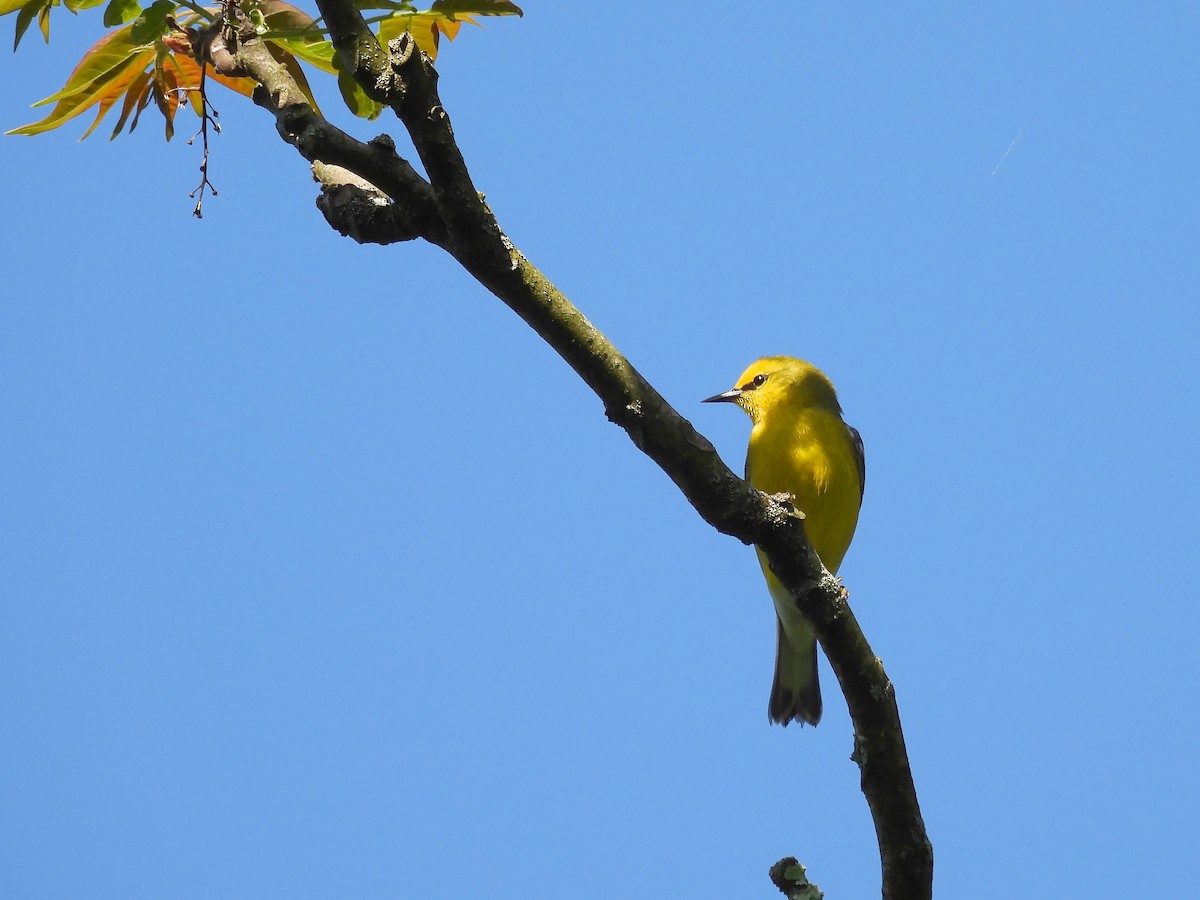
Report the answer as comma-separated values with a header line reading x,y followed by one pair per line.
x,y
795,692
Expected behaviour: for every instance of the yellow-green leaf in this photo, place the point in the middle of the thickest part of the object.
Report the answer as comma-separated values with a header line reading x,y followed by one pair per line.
x,y
297,73
106,54
105,71
113,90
319,54
422,26
443,17
356,98
294,31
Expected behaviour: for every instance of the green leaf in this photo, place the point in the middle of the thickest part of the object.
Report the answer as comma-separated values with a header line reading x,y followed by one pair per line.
x,y
295,31
316,53
77,5
394,5
152,23
118,12
475,8
356,98
25,18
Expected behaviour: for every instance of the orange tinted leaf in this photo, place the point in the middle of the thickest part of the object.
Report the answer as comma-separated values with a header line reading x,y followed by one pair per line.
x,y
137,90
178,42
185,68
187,80
187,74
164,91
143,102
244,86
449,27
106,103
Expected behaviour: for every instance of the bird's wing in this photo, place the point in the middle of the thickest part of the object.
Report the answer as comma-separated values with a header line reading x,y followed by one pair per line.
x,y
860,457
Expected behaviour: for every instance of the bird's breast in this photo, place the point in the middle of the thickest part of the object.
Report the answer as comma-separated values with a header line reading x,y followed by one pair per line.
x,y
810,455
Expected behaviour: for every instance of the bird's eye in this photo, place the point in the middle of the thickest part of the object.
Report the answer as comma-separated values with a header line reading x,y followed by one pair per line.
x,y
760,380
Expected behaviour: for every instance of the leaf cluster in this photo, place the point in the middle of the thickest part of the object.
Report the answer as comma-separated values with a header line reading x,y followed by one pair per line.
x,y
151,56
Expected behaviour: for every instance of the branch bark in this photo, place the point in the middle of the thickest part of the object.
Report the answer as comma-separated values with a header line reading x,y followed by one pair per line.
x,y
448,211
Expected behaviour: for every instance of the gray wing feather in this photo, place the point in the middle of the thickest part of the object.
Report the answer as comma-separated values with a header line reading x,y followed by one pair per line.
x,y
860,457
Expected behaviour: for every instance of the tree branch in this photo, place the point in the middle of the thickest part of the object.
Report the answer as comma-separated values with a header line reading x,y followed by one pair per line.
x,y
357,209
732,506
403,78
415,212
448,211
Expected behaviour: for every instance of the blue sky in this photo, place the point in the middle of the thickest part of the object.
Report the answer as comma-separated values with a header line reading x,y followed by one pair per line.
x,y
322,577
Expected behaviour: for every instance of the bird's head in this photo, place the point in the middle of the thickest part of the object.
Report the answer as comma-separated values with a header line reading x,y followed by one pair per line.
x,y
775,382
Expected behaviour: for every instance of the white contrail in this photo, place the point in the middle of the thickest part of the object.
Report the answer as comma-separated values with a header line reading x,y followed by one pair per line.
x,y
1015,141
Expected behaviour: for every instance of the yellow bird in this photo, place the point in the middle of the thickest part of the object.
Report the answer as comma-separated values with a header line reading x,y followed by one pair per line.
x,y
800,445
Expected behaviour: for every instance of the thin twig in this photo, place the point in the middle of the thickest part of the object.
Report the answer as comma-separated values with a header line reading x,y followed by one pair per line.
x,y
208,113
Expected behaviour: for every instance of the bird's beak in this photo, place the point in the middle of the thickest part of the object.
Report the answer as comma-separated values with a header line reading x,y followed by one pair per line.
x,y
727,397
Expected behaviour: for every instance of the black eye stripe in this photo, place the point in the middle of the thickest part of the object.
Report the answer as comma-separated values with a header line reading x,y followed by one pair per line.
x,y
758,381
